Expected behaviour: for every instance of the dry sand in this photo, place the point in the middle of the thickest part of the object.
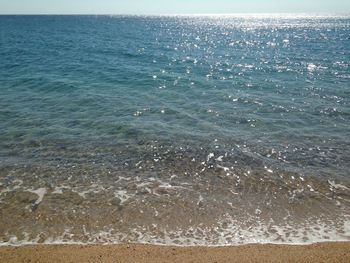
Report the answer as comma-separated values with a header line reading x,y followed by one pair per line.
x,y
324,252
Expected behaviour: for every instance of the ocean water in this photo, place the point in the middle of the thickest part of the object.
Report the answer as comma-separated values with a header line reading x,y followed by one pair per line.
x,y
183,130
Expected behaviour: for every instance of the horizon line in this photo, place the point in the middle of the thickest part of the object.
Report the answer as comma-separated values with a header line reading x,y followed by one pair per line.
x,y
177,14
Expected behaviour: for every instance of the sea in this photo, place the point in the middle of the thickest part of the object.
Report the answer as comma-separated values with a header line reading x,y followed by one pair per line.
x,y
205,130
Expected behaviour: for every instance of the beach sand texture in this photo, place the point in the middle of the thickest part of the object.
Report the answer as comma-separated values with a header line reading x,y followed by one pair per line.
x,y
322,252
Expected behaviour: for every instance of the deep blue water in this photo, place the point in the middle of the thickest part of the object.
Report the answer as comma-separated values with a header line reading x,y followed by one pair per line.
x,y
268,94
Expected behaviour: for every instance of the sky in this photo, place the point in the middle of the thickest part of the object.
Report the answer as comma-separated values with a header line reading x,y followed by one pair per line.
x,y
171,6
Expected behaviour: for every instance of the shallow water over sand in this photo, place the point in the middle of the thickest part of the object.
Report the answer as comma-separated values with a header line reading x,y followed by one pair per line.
x,y
174,130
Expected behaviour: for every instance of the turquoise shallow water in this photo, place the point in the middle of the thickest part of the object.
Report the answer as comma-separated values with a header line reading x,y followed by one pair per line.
x,y
235,125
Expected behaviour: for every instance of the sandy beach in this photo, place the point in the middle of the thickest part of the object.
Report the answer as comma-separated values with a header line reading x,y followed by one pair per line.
x,y
323,252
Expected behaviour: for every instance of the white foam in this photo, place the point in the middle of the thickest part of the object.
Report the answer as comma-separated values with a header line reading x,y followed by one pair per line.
x,y
200,199
219,159
338,186
311,67
210,155
123,195
227,233
94,188
41,193
59,189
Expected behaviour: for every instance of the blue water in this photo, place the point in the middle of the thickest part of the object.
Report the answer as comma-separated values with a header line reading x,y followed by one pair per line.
x,y
88,100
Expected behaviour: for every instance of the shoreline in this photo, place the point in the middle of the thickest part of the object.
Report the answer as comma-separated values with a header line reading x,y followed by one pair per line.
x,y
318,252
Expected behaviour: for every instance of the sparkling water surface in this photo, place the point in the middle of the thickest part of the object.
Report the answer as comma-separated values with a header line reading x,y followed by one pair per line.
x,y
187,130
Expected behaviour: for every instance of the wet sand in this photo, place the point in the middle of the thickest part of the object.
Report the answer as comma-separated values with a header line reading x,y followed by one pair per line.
x,y
323,252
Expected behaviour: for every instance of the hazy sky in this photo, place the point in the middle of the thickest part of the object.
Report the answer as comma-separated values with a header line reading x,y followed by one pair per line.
x,y
170,6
